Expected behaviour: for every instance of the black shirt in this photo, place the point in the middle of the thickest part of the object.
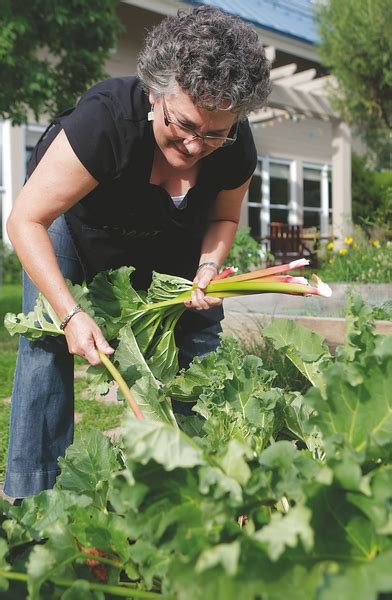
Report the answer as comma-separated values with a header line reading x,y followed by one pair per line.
x,y
126,220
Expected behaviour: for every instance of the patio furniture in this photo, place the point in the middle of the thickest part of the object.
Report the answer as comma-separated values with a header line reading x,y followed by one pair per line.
x,y
286,243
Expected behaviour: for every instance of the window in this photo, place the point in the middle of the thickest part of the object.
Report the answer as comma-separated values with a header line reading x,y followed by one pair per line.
x,y
33,133
317,195
279,191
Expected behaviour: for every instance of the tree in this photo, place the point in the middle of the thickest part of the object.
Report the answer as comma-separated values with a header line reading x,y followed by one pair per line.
x,y
356,45
50,52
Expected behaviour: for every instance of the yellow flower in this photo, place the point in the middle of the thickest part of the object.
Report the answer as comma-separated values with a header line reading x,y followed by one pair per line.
x,y
375,243
348,240
343,251
330,246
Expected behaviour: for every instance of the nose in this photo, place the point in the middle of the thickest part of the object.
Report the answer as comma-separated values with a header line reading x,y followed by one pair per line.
x,y
194,145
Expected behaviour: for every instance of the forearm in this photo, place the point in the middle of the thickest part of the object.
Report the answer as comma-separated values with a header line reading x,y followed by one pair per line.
x,y
35,251
218,241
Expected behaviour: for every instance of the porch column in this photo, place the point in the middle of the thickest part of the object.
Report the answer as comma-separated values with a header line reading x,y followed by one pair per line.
x,y
296,193
341,181
265,197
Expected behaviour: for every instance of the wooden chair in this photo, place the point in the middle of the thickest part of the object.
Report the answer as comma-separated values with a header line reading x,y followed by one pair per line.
x,y
286,243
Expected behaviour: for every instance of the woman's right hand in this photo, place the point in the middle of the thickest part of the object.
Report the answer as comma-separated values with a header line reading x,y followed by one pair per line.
x,y
84,338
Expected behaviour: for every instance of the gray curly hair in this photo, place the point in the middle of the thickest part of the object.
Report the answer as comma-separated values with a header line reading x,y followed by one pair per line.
x,y
217,59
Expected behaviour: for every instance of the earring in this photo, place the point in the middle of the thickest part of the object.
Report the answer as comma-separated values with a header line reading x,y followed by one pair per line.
x,y
150,115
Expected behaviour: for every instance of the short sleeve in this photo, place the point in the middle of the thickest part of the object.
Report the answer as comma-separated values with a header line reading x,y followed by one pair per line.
x,y
99,134
240,159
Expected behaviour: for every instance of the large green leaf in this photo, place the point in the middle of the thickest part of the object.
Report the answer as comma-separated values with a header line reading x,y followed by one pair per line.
x,y
287,530
114,299
87,466
34,518
42,320
4,566
146,389
154,440
54,559
358,402
361,581
306,349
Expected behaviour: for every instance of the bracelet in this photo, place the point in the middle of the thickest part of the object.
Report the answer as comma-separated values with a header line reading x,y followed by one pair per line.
x,y
69,316
209,264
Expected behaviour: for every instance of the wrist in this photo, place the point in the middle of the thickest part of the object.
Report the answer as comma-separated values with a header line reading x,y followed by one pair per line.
x,y
75,310
211,264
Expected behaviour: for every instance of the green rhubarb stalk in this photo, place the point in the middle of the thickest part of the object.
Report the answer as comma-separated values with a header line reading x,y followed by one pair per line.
x,y
115,590
121,384
261,273
226,288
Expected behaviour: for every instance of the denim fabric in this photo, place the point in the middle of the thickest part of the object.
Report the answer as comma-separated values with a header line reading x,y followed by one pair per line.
x,y
42,407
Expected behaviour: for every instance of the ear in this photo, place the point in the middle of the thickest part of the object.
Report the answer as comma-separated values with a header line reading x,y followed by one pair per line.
x,y
151,98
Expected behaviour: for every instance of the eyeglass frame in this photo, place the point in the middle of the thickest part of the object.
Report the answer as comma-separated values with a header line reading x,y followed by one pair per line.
x,y
226,141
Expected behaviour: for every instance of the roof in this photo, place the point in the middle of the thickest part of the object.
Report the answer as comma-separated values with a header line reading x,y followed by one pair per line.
x,y
292,18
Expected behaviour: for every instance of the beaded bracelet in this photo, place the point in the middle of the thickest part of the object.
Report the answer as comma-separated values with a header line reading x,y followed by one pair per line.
x,y
69,316
209,264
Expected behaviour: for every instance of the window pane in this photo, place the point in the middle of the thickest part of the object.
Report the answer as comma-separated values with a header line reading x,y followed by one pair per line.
x,y
311,219
255,189
279,215
312,193
279,171
312,174
254,221
279,191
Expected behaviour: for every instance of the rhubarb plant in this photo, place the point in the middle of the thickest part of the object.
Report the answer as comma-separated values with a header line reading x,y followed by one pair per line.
x,y
144,323
235,504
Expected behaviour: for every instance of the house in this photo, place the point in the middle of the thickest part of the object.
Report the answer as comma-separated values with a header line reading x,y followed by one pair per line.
x,y
303,175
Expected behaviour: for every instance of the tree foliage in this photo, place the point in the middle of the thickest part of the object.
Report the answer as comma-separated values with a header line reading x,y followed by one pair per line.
x,y
50,52
356,45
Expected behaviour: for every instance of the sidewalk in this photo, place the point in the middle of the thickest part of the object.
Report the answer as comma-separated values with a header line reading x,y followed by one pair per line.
x,y
244,316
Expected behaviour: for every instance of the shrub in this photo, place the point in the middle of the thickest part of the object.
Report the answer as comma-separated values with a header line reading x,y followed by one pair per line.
x,y
361,260
10,267
371,198
245,253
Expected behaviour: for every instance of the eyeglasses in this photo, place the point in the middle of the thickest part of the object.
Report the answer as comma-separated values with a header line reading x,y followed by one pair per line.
x,y
215,141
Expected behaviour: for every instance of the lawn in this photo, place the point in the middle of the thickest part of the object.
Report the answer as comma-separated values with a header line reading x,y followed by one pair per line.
x,y
90,412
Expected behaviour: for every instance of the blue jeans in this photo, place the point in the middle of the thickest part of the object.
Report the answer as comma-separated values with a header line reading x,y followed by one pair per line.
x,y
42,407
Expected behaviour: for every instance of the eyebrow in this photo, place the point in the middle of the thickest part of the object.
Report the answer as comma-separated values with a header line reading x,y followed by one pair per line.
x,y
192,125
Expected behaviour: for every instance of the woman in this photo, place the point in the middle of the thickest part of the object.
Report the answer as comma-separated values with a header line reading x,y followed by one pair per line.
x,y
148,171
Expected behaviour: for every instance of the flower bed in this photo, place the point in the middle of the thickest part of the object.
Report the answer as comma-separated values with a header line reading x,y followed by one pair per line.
x,y
360,260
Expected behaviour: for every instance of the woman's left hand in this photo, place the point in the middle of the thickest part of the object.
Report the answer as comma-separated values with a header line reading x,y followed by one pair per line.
x,y
199,300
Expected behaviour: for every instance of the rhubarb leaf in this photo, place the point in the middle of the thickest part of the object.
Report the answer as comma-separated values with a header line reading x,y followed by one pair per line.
x,y
357,405
287,530
113,298
146,389
153,440
87,466
52,559
360,581
306,349
42,320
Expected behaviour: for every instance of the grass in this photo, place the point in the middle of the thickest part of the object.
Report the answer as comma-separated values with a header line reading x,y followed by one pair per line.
x,y
91,412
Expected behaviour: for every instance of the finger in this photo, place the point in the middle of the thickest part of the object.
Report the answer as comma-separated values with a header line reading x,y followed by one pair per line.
x,y
198,300
102,345
204,277
211,301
